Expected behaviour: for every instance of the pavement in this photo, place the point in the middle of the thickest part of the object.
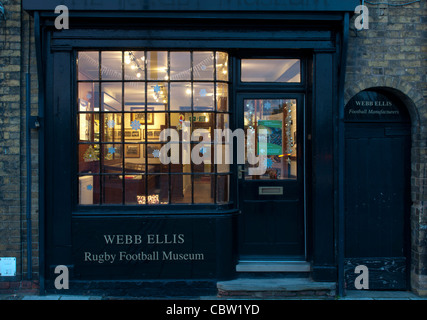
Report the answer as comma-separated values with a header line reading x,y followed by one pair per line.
x,y
351,295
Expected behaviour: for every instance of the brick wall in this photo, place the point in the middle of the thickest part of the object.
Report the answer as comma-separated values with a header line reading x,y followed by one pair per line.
x,y
392,54
13,66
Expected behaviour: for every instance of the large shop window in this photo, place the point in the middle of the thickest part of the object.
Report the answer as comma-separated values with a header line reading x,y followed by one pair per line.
x,y
125,99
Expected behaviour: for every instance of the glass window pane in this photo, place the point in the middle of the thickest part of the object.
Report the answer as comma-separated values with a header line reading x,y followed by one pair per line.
x,y
222,66
88,97
203,96
134,156
88,127
111,65
222,97
89,156
111,97
113,189
157,65
204,188
271,70
180,96
134,127
157,96
112,161
181,188
134,96
203,66
134,65
278,118
205,121
153,153
222,190
89,190
180,64
135,189
88,65
158,189
112,124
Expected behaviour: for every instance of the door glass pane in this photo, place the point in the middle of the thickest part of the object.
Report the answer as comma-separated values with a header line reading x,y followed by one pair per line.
x,y
271,70
278,118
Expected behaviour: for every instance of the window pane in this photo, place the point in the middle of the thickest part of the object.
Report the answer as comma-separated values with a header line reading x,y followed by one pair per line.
x,y
158,189
157,65
222,191
222,97
112,124
157,96
180,96
271,70
88,97
112,161
134,65
222,66
181,188
278,118
153,152
111,65
180,64
88,65
203,96
203,67
134,127
134,155
204,188
135,189
89,158
89,190
111,97
113,189
134,96
88,127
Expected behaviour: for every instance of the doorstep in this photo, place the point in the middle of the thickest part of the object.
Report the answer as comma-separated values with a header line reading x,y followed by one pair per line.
x,y
273,287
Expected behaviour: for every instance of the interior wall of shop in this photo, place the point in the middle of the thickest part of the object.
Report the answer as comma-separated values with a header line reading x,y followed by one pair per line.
x,y
391,54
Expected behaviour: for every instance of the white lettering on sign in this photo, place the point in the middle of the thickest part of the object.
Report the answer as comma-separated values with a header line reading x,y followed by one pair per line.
x,y
126,239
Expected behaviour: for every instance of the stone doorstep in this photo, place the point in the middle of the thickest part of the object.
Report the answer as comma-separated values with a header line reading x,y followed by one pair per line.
x,y
260,287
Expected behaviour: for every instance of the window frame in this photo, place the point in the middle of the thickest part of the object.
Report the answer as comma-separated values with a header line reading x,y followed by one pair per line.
x,y
152,208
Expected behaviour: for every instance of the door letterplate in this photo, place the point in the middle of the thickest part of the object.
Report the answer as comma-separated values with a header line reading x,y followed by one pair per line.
x,y
270,191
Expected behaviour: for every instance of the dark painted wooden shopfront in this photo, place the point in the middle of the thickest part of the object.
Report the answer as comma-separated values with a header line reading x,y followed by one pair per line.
x,y
111,211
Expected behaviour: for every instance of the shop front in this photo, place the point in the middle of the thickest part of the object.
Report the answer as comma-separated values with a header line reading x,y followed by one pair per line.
x,y
190,141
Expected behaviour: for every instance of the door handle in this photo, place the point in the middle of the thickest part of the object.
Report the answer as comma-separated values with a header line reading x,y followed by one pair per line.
x,y
240,171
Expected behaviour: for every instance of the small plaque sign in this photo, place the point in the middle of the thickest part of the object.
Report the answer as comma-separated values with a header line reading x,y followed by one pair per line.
x,y
7,267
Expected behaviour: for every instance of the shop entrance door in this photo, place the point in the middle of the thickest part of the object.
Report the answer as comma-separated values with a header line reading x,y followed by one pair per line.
x,y
271,225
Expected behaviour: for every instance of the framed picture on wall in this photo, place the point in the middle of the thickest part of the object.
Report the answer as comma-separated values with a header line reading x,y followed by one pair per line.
x,y
140,116
132,151
152,134
131,134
